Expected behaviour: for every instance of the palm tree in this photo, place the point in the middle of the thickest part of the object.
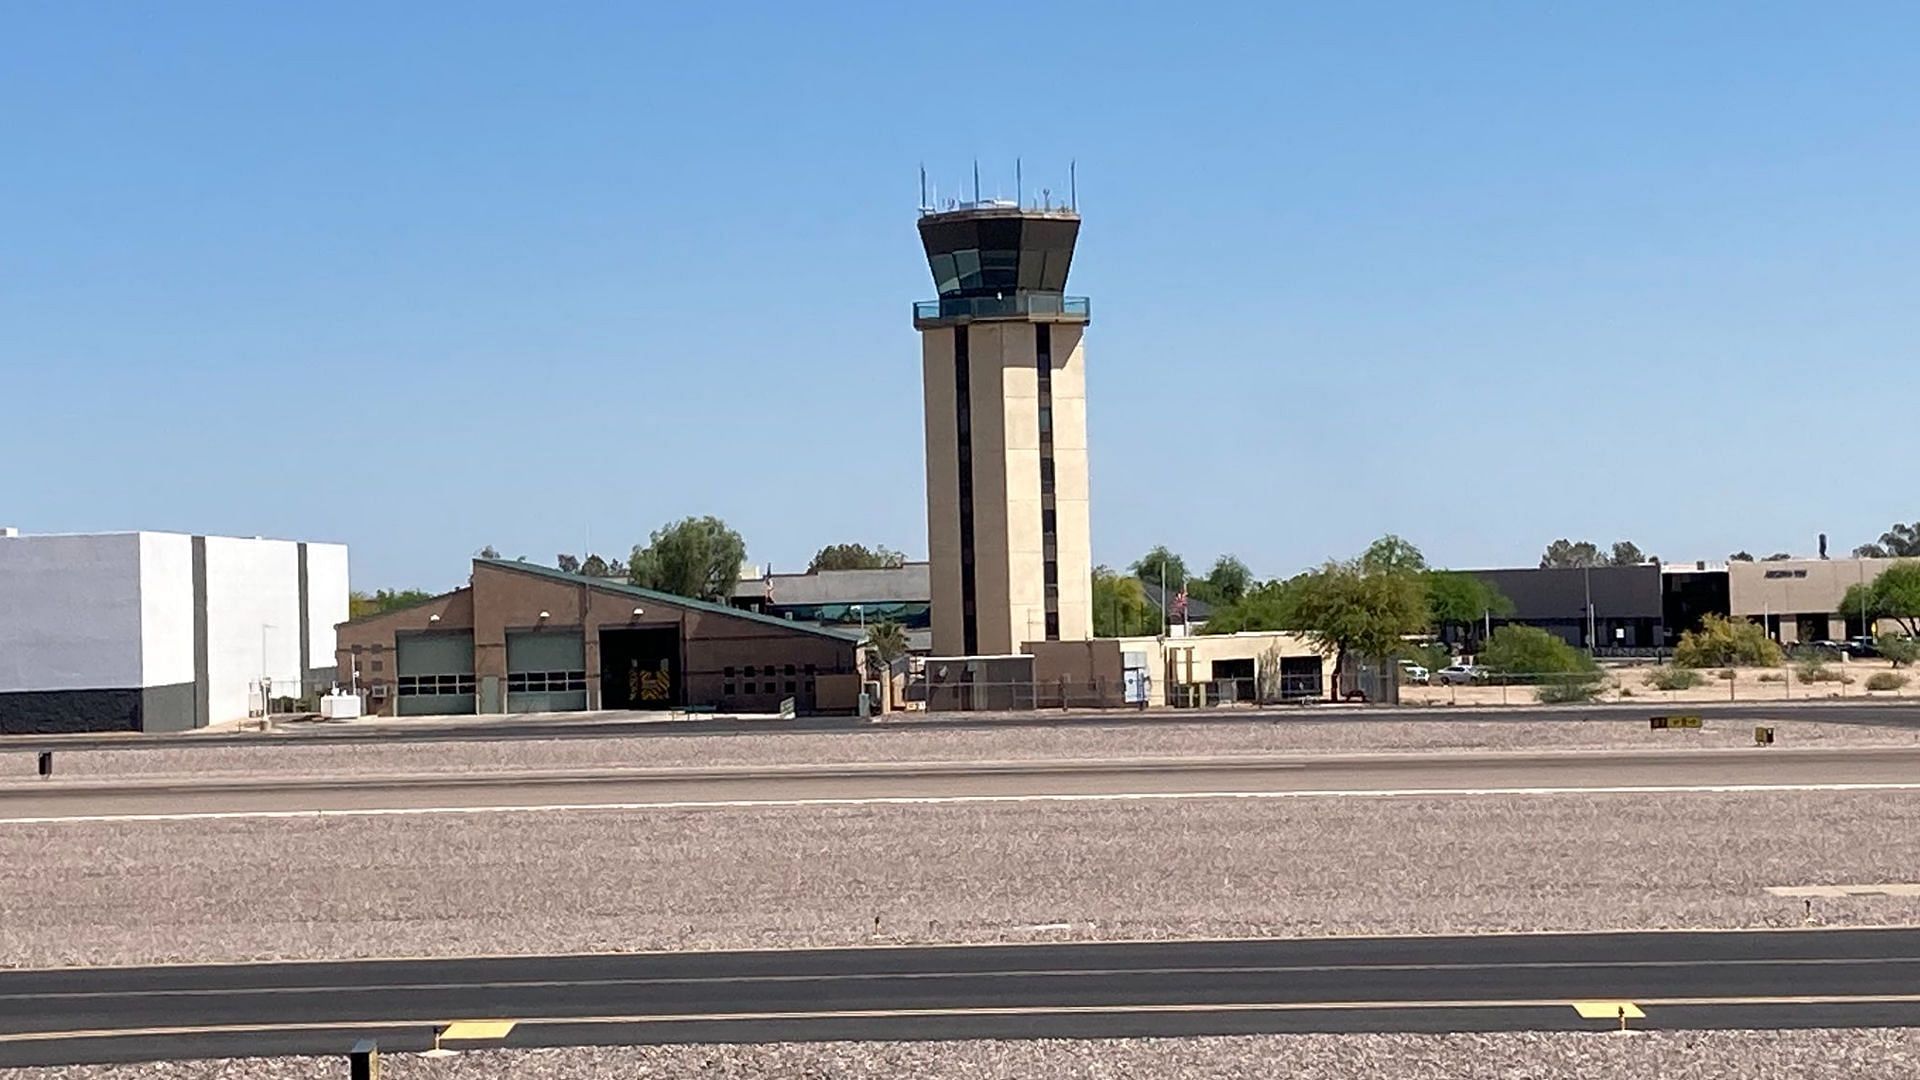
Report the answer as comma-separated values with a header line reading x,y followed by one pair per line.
x,y
886,642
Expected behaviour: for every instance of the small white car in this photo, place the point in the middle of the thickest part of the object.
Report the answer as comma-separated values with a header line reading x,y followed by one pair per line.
x,y
1413,673
1459,675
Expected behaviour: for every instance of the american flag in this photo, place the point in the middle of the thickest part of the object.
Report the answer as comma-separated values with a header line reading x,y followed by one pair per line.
x,y
766,584
1180,606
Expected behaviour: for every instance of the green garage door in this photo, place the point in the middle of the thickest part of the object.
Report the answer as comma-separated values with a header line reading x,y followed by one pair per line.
x,y
434,672
546,671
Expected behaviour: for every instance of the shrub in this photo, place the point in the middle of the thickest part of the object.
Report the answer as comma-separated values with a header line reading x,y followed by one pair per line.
x,y
1724,674
1626,691
1900,650
1885,680
1569,690
1771,676
1726,642
1673,678
1815,671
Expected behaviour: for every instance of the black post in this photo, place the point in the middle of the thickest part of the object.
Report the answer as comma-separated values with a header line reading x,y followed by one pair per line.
x,y
46,763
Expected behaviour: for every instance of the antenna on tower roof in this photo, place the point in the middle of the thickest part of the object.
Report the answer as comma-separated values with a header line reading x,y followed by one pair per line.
x,y
1019,186
976,179
1073,185
923,187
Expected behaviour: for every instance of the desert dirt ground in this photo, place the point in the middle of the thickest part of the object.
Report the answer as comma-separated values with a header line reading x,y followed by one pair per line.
x,y
1865,1054
1847,682
1470,731
536,882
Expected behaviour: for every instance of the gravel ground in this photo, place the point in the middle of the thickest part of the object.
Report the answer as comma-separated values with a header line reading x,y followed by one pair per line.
x,y
1861,1054
936,744
84,893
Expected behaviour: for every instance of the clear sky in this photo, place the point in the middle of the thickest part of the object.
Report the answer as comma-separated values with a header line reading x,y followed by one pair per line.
x,y
423,277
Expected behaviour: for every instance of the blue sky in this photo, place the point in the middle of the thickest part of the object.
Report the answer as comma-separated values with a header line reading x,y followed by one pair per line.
x,y
425,277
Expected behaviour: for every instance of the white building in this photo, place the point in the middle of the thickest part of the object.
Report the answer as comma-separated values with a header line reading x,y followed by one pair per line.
x,y
149,631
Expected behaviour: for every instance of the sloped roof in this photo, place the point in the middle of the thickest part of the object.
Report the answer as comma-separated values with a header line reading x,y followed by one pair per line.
x,y
622,588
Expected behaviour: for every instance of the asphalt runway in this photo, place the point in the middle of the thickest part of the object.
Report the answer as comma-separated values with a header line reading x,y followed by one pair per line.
x,y
1866,768
1757,979
652,725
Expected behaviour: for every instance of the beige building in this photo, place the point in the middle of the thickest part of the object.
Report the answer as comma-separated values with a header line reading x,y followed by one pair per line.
x,y
1265,666
1801,599
1006,430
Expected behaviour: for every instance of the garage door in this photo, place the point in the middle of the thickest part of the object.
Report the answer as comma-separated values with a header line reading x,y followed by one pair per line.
x,y
546,671
434,674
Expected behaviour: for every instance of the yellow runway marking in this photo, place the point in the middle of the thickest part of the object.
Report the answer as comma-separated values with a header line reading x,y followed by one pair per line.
x,y
477,1029
1607,1010
982,1011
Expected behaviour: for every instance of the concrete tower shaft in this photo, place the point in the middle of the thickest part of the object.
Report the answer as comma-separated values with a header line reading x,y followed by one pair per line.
x,y
1005,388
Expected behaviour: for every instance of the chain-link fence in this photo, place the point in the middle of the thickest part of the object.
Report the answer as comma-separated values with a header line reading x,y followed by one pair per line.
x,y
287,697
1137,690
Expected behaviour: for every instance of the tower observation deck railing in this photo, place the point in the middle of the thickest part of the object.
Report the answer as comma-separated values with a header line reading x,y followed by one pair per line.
x,y
1044,306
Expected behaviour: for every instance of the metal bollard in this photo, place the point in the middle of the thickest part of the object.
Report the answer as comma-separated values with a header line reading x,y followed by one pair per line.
x,y
46,764
363,1062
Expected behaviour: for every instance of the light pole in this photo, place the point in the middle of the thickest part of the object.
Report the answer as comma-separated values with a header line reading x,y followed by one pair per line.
x,y
862,611
266,678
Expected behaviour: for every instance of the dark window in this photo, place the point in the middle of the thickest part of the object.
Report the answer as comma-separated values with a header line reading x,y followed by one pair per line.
x,y
789,671
378,664
1049,519
750,671
726,688
728,673
810,671
963,408
790,686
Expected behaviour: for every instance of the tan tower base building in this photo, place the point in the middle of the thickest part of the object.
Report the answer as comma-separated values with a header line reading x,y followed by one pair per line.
x,y
1006,425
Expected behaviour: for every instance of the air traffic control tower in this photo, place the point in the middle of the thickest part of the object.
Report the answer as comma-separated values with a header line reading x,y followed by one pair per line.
x,y
1006,417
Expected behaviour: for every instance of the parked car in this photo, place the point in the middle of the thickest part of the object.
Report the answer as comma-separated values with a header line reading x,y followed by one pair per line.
x,y
1460,675
1862,647
1413,673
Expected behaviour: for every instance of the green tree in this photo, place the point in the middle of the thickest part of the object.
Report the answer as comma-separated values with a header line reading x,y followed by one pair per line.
x,y
1528,653
1894,594
1565,554
855,557
1392,555
1721,642
595,566
569,564
1160,565
1365,607
1627,553
1459,599
1120,606
360,604
1901,541
1740,556
696,557
1228,581
1778,556
1268,606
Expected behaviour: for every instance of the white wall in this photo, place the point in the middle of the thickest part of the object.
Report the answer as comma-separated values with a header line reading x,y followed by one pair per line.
x,y
251,585
326,599
70,612
166,609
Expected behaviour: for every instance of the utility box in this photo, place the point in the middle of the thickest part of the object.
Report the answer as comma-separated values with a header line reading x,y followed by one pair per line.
x,y
363,1062
1763,736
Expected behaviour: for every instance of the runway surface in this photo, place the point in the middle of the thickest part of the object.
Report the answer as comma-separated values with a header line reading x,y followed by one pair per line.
x,y
1759,979
1323,776
653,725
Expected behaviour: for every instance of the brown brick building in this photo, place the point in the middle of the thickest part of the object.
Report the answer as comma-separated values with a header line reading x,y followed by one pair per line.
x,y
523,638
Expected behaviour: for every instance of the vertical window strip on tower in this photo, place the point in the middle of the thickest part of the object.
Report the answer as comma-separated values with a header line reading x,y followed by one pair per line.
x,y
963,427
1049,541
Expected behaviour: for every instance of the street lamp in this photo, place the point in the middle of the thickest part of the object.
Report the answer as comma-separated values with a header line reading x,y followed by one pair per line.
x,y
861,609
